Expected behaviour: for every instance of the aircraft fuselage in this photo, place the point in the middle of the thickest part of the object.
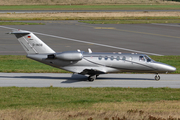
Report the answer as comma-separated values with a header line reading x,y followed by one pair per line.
x,y
88,63
104,62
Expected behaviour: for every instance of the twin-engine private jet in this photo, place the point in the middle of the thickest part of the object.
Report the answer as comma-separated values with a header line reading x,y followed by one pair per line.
x,y
89,63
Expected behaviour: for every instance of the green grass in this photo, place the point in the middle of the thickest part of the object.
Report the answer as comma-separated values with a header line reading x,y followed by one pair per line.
x,y
129,21
90,7
89,103
20,23
98,20
17,63
133,20
15,97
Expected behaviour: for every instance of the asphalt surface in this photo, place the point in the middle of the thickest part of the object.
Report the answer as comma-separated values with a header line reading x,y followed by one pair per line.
x,y
69,80
162,39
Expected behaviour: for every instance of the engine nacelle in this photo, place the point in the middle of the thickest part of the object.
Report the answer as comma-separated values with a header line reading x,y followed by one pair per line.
x,y
74,56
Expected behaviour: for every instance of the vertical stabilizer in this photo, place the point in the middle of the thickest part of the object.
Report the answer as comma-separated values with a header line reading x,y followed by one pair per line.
x,y
31,43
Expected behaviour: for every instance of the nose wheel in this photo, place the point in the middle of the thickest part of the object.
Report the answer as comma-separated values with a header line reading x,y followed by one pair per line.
x,y
157,77
91,78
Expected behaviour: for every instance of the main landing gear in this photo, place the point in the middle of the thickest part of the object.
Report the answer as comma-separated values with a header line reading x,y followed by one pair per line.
x,y
157,77
91,78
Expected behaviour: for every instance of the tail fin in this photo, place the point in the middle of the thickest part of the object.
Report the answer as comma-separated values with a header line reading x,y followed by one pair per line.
x,y
31,43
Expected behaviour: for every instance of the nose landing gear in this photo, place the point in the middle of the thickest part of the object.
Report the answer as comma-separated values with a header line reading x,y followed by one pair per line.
x,y
157,77
91,78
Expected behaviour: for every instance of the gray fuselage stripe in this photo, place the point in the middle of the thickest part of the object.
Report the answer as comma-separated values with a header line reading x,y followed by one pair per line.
x,y
116,67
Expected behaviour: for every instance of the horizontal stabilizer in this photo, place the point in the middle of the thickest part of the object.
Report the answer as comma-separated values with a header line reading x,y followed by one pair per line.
x,y
19,32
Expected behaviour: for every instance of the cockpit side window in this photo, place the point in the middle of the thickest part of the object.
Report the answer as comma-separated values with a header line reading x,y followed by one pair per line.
x,y
141,58
148,59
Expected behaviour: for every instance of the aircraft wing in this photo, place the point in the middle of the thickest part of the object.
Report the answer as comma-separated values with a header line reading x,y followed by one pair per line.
x,y
91,72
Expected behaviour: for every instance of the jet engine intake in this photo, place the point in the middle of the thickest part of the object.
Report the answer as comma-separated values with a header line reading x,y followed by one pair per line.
x,y
73,56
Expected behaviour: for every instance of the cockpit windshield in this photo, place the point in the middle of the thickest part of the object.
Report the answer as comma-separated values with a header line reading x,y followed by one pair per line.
x,y
148,59
145,58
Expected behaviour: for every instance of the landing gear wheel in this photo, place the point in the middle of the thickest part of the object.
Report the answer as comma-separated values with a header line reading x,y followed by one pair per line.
x,y
92,78
157,77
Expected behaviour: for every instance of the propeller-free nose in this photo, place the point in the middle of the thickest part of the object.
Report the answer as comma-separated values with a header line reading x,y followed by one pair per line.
x,y
161,67
171,69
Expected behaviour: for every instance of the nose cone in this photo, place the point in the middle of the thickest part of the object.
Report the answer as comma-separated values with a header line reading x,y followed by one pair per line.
x,y
170,68
161,67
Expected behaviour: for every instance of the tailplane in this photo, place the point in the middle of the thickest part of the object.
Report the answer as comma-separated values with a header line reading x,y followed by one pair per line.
x,y
31,43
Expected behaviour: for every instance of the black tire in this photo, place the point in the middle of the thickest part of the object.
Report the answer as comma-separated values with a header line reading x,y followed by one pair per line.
x,y
157,77
91,78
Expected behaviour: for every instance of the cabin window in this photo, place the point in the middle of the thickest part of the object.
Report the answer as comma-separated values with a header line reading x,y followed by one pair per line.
x,y
123,58
100,57
106,57
112,58
141,58
117,58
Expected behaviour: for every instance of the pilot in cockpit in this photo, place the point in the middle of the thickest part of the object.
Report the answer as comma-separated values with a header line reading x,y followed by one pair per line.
x,y
141,58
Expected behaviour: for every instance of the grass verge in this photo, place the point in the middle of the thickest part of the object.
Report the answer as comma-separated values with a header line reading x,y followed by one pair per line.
x,y
91,7
17,63
134,20
19,23
129,21
171,16
89,103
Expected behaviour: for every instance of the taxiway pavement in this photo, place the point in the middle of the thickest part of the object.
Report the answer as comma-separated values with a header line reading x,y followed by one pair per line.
x,y
106,80
163,39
